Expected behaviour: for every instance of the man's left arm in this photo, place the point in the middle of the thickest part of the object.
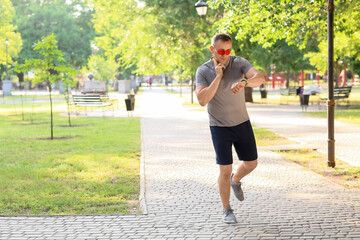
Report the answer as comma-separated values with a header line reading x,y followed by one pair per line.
x,y
254,79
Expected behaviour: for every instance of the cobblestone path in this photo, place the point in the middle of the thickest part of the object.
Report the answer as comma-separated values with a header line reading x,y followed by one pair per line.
x,y
288,121
282,200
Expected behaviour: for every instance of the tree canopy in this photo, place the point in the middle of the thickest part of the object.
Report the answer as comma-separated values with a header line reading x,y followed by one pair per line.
x,y
70,21
49,68
7,31
301,23
155,36
102,69
164,36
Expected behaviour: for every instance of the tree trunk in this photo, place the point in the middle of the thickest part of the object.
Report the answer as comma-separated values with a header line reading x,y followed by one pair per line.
x,y
287,79
180,83
192,88
166,80
21,80
22,107
68,105
336,77
248,94
51,112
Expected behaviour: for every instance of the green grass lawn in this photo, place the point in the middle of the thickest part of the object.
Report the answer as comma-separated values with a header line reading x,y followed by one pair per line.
x,y
30,96
94,172
24,95
265,137
17,106
343,115
274,97
351,115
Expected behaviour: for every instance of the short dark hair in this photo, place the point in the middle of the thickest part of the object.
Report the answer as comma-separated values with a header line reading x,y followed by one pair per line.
x,y
220,36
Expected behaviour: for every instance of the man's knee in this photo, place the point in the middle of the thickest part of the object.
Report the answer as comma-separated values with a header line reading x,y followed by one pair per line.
x,y
225,171
251,165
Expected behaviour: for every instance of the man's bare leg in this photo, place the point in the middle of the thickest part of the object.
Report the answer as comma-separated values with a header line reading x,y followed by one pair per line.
x,y
244,169
224,184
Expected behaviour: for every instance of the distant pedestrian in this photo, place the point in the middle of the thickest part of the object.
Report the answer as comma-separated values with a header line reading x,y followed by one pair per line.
x,y
325,77
220,84
150,81
343,78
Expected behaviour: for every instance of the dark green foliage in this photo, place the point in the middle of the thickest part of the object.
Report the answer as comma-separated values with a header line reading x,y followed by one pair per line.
x,y
71,23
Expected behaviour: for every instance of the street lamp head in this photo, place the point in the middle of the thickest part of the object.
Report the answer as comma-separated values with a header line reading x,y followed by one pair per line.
x,y
6,41
201,8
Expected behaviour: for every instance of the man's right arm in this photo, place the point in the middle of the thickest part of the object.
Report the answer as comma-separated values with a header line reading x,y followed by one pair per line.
x,y
206,93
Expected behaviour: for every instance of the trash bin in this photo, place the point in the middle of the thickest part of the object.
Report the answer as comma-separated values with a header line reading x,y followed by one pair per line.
x,y
304,101
263,93
130,104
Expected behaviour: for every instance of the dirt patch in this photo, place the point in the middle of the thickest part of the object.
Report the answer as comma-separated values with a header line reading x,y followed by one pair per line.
x,y
344,174
134,206
79,125
55,138
32,123
17,120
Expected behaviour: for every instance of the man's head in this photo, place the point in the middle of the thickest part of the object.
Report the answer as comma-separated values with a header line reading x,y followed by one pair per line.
x,y
221,47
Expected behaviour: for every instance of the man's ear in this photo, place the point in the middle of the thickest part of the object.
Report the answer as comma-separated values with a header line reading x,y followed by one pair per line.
x,y
212,49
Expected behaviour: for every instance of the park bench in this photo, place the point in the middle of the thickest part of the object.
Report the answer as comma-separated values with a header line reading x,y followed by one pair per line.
x,y
340,93
286,92
94,88
84,102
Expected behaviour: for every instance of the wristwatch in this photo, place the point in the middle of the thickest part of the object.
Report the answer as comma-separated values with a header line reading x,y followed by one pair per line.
x,y
246,82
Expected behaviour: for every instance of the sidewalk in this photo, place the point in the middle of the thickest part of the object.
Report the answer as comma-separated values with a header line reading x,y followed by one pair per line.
x,y
289,121
182,199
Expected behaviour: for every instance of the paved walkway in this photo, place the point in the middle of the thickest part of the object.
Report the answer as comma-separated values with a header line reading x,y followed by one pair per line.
x,y
282,200
289,121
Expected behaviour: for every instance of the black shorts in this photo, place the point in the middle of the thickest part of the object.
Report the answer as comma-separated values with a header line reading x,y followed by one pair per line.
x,y
241,136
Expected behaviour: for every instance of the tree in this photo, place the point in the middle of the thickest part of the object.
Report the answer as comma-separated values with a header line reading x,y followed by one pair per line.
x,y
187,36
102,69
48,68
164,36
286,58
111,22
70,21
268,21
300,23
7,31
66,76
346,49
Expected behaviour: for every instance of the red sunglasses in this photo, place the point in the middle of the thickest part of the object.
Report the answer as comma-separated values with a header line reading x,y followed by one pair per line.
x,y
223,52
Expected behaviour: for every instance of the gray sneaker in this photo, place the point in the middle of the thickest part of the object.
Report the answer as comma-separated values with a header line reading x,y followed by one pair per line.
x,y
228,215
237,189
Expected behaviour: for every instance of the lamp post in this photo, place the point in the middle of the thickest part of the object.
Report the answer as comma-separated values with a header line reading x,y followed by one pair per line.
x,y
201,8
7,71
331,102
7,83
